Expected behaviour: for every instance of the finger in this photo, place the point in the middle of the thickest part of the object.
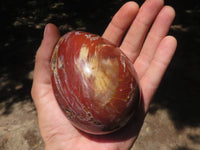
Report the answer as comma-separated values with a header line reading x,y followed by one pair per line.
x,y
120,22
152,77
133,41
43,56
158,31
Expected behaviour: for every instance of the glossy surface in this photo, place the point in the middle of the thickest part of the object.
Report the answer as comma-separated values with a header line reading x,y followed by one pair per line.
x,y
94,83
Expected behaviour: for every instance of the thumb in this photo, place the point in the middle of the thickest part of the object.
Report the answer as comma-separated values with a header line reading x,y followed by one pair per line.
x,y
41,76
51,36
43,55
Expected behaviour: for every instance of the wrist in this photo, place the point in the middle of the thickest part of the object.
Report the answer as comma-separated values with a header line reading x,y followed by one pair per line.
x,y
56,145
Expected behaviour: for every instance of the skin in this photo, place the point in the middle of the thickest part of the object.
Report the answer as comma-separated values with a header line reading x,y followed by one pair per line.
x,y
141,33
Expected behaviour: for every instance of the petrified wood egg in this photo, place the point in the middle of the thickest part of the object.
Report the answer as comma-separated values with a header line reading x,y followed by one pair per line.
x,y
94,83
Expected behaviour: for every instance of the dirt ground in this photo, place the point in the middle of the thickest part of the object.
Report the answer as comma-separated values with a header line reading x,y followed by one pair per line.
x,y
173,121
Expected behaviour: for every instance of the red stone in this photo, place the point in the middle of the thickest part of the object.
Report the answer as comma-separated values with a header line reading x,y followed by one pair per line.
x,y
94,83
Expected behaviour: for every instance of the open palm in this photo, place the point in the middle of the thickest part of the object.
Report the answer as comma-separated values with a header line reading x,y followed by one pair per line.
x,y
142,36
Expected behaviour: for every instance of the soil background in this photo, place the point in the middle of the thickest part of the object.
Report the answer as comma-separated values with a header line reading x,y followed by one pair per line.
x,y
173,121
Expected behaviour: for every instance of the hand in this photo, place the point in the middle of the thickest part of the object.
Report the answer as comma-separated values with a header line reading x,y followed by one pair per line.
x,y
149,48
